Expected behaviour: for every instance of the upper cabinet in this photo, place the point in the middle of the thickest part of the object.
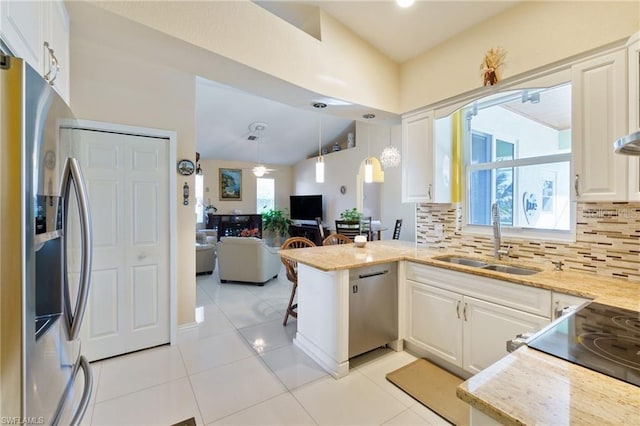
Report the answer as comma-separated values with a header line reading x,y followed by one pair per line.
x,y
599,104
426,162
38,31
633,58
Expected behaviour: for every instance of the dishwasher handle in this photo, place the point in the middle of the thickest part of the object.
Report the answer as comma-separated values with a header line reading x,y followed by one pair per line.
x,y
373,274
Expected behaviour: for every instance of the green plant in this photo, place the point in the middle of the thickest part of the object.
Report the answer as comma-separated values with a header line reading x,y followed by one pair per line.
x,y
276,221
210,207
352,215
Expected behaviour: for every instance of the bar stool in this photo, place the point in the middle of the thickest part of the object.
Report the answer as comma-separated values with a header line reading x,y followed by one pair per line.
x,y
335,239
292,272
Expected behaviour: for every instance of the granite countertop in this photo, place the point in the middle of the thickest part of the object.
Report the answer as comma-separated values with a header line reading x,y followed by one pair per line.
x,y
526,386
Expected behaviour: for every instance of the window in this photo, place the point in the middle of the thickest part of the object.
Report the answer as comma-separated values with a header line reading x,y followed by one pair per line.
x,y
265,194
518,155
199,198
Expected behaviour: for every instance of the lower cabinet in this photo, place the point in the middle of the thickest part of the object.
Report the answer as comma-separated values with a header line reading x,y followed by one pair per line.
x,y
434,321
487,327
463,330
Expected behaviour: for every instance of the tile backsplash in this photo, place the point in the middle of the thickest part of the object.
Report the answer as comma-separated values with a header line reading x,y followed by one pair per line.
x,y
607,238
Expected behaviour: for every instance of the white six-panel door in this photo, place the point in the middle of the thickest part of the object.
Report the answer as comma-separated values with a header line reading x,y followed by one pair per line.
x,y
127,181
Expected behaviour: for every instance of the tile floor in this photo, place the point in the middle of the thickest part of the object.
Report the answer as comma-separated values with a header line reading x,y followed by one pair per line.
x,y
245,370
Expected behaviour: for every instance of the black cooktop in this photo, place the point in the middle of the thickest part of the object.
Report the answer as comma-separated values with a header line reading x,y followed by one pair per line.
x,y
599,337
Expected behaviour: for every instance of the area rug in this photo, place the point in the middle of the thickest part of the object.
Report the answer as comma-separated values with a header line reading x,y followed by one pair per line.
x,y
187,422
433,387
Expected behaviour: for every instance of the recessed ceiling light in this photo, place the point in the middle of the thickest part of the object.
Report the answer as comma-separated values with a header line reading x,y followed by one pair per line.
x,y
405,3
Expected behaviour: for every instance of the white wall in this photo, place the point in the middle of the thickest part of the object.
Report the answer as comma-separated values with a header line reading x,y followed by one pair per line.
x,y
113,85
341,168
341,65
283,176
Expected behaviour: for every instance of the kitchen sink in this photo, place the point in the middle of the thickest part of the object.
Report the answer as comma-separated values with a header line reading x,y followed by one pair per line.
x,y
515,270
510,269
462,261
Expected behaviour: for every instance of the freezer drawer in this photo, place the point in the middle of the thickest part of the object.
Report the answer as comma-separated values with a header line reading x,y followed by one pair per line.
x,y
373,307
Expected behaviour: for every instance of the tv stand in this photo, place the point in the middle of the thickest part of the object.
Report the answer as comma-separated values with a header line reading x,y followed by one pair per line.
x,y
308,231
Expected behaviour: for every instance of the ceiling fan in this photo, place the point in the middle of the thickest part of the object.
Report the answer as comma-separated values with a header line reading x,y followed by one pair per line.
x,y
256,130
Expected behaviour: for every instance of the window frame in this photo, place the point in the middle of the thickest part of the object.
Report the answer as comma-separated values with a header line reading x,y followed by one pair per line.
x,y
520,232
259,209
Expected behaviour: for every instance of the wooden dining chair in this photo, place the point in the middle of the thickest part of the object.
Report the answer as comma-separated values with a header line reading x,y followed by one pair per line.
x,y
335,239
291,267
365,227
348,228
396,229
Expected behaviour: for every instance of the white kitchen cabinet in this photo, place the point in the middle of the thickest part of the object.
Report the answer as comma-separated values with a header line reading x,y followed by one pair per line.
x,y
25,27
599,103
426,162
57,37
22,29
454,315
487,327
433,321
633,60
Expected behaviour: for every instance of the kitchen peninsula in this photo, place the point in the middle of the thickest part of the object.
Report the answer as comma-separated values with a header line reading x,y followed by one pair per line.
x,y
554,390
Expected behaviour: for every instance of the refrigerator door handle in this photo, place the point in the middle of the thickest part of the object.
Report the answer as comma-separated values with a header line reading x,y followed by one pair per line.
x,y
73,174
86,393
84,400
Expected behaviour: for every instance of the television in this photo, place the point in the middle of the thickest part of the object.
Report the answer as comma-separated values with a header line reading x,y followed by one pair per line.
x,y
305,207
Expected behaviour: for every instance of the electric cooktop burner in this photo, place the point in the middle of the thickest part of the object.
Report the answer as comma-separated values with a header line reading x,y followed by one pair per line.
x,y
599,337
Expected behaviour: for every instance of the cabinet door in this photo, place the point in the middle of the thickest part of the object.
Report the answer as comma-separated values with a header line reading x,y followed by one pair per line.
x,y
56,33
599,118
417,158
21,27
634,113
487,327
433,321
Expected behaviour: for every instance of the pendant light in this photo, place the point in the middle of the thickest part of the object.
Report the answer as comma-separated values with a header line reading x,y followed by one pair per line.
x,y
368,166
255,133
259,170
390,156
320,162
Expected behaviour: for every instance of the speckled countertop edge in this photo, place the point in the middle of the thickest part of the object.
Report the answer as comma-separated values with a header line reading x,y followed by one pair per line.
x,y
551,386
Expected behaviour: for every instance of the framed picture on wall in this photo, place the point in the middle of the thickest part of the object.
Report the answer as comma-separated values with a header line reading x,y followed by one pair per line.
x,y
230,184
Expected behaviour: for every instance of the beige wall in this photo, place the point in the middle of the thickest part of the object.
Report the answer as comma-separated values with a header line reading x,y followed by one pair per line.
x,y
115,86
341,65
283,176
534,34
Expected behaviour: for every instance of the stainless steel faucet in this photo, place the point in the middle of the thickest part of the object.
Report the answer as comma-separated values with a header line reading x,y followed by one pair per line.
x,y
497,243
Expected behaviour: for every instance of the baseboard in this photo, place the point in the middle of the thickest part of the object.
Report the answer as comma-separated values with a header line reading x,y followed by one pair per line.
x,y
186,332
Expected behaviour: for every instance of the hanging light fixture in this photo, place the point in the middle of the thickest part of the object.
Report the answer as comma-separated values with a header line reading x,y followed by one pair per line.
x,y
368,165
405,3
256,130
320,162
390,156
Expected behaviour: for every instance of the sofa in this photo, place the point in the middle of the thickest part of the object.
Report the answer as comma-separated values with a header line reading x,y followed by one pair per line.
x,y
205,253
247,259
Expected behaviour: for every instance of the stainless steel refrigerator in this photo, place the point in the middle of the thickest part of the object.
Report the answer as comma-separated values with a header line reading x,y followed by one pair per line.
x,y
44,379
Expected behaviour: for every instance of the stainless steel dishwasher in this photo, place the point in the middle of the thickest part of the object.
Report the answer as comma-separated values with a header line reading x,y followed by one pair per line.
x,y
373,307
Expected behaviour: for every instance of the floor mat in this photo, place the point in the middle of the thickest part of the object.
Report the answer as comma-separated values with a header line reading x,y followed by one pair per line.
x,y
187,422
433,387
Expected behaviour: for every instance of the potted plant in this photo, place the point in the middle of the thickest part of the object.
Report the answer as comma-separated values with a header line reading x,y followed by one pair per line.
x,y
276,222
351,215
